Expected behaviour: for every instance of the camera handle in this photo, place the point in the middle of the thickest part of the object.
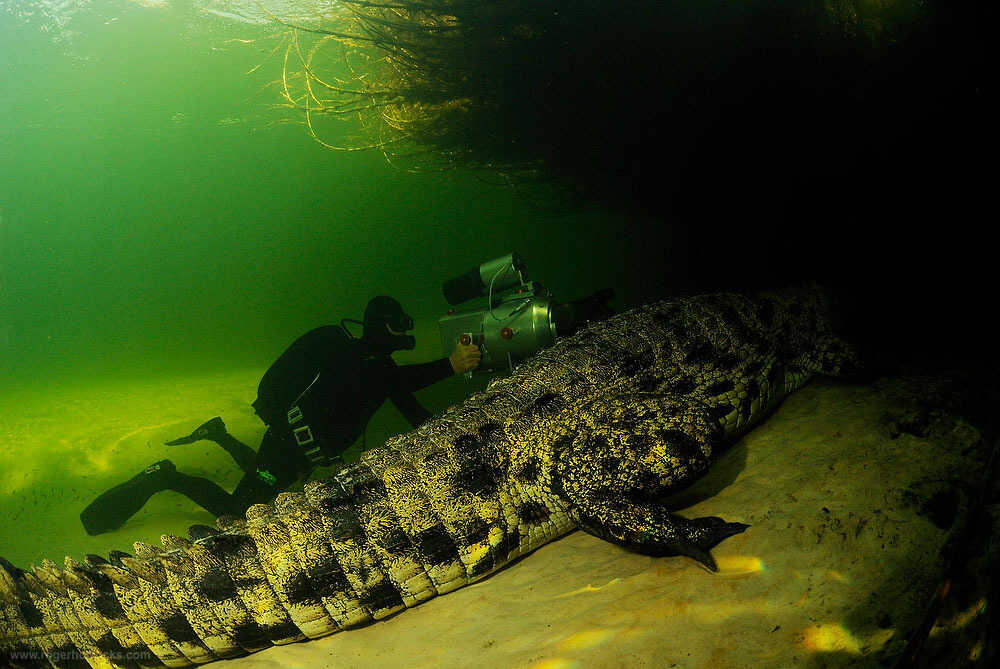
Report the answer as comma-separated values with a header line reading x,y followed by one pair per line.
x,y
466,339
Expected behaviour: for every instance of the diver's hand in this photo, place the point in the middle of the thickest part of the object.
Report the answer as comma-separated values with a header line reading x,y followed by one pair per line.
x,y
464,358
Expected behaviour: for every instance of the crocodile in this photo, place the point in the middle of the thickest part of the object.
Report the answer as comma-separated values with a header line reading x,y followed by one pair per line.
x,y
590,433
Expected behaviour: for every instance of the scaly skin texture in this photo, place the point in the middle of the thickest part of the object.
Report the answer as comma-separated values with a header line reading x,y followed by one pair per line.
x,y
588,433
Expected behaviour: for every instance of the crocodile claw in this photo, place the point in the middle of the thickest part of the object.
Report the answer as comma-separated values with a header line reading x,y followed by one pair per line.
x,y
704,534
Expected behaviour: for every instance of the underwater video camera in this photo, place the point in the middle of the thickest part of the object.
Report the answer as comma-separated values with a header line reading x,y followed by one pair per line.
x,y
518,318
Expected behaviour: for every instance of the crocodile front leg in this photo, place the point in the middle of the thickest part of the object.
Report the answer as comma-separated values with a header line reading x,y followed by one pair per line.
x,y
650,529
623,453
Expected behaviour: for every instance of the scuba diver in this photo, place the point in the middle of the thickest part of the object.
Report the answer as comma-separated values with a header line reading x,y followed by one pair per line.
x,y
316,400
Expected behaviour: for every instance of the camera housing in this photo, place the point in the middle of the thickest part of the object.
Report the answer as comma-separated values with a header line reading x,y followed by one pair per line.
x,y
516,320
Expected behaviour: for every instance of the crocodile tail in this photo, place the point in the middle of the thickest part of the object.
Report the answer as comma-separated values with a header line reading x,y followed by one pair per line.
x,y
20,620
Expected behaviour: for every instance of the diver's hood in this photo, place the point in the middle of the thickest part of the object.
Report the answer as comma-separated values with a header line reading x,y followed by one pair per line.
x,y
384,311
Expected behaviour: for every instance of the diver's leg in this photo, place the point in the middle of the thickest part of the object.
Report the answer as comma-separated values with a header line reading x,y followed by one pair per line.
x,y
253,489
112,508
215,430
279,464
205,493
242,454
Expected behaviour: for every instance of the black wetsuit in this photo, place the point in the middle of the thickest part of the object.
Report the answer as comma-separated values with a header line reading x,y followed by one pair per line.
x,y
346,385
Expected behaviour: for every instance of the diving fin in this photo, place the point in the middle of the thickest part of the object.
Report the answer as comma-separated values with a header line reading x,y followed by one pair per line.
x,y
112,508
212,429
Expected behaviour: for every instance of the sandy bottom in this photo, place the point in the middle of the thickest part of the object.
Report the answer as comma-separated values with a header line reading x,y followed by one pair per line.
x,y
70,442
835,570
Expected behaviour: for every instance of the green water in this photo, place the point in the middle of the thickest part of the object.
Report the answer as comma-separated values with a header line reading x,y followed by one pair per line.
x,y
161,220
155,218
